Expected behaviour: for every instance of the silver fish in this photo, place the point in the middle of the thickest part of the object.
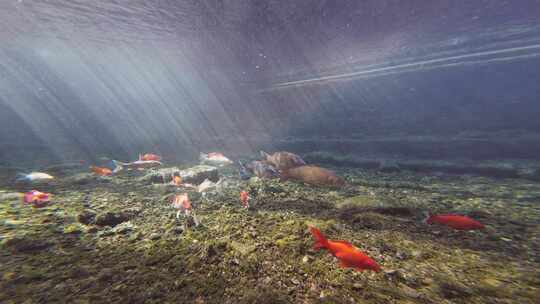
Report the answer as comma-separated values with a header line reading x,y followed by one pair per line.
x,y
207,185
34,176
138,164
214,159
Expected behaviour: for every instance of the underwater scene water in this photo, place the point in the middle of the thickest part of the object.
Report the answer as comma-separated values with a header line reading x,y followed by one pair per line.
x,y
236,151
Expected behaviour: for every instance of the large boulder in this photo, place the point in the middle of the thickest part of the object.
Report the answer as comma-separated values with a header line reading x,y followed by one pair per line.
x,y
194,175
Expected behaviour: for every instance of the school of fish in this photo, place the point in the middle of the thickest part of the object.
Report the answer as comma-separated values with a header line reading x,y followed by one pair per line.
x,y
282,165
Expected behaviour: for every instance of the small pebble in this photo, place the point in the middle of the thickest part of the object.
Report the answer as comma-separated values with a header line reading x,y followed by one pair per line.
x,y
154,236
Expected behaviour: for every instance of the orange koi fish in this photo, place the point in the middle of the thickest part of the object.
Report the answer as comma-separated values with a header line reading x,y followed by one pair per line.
x,y
182,202
458,222
149,156
348,255
36,198
177,180
244,198
101,171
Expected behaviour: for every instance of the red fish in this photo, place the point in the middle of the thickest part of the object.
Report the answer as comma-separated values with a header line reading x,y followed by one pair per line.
x,y
348,255
150,156
182,202
458,222
101,171
244,198
177,180
36,198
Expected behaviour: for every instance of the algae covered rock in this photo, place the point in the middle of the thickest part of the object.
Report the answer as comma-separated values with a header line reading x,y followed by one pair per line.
x,y
359,201
123,228
193,175
111,218
10,196
241,248
450,288
368,220
25,245
86,217
154,236
86,179
73,229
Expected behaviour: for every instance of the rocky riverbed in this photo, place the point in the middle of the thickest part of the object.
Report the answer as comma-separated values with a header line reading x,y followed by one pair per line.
x,y
117,240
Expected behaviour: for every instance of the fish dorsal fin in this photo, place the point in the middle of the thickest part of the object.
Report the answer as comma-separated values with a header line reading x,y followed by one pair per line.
x,y
242,166
348,244
427,216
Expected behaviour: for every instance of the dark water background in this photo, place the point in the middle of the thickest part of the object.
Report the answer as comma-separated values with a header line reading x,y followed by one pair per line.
x,y
84,79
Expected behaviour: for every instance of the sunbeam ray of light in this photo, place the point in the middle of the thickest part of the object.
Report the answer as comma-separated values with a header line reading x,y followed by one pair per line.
x,y
421,65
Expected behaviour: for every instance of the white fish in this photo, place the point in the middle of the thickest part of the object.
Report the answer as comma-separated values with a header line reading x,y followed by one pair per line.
x,y
139,164
214,159
208,185
34,177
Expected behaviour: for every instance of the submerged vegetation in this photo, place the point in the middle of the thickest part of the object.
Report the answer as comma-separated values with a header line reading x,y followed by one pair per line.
x,y
116,239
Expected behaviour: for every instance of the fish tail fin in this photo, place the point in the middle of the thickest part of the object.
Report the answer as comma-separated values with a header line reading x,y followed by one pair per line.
x,y
202,156
195,219
117,166
283,175
20,177
264,154
427,217
320,239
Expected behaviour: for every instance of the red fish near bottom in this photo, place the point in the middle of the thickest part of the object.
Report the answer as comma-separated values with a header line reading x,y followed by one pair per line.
x,y
458,222
150,156
244,198
36,198
348,255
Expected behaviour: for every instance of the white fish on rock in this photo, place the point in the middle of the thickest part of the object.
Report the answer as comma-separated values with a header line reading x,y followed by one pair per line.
x,y
136,165
34,177
207,185
214,159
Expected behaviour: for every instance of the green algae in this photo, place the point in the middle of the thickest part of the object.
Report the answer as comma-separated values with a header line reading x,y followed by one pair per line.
x,y
73,229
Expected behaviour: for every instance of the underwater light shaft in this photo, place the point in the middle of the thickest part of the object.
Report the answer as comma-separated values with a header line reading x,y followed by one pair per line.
x,y
506,54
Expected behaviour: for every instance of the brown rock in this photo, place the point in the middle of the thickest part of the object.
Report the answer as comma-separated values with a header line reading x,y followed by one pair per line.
x,y
284,160
263,169
313,175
